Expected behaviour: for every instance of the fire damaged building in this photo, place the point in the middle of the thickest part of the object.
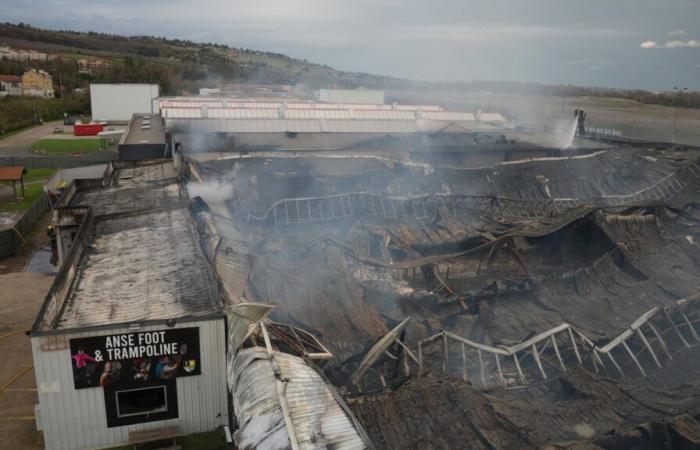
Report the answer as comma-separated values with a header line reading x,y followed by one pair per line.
x,y
474,293
127,346
358,283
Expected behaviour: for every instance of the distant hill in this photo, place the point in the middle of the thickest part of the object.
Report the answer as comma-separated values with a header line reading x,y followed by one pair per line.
x,y
183,66
175,64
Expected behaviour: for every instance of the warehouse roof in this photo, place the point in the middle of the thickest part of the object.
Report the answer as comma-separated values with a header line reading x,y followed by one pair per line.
x,y
140,267
144,129
135,257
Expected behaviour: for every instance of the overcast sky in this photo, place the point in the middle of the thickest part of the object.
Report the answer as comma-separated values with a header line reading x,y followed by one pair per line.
x,y
651,44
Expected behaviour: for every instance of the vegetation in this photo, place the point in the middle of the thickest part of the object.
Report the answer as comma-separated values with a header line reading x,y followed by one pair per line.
x,y
31,193
67,146
38,174
214,440
17,113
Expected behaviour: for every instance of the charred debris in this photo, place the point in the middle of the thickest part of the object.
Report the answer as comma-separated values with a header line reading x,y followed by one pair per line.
x,y
549,299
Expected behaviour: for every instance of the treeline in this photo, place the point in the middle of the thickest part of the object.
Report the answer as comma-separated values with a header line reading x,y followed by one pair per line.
x,y
21,112
685,99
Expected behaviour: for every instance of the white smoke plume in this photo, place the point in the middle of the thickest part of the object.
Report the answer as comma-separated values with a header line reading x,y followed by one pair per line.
x,y
211,191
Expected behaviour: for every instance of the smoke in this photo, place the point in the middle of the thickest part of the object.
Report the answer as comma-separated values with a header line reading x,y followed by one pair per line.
x,y
211,191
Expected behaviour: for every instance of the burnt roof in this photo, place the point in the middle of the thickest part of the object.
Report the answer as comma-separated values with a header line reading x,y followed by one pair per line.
x,y
139,257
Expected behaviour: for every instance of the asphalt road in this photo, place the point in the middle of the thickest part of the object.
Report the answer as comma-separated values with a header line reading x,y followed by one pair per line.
x,y
21,143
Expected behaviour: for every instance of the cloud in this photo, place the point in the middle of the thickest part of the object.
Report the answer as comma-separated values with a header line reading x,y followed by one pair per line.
x,y
693,43
682,44
677,33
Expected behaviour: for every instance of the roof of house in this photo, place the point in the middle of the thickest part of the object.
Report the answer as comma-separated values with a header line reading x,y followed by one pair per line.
x,y
12,173
11,78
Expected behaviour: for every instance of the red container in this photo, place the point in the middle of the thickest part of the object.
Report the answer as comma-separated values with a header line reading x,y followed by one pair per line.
x,y
86,129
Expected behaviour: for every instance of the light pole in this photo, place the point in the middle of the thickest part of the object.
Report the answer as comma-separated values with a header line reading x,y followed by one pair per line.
x,y
678,91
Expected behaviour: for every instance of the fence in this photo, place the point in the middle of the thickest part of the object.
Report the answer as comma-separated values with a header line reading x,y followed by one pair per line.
x,y
12,238
58,162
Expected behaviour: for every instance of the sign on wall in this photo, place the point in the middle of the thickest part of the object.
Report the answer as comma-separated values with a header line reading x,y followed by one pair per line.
x,y
131,358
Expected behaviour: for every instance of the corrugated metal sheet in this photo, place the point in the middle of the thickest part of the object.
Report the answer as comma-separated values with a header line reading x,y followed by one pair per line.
x,y
451,116
231,113
493,117
197,102
76,419
370,126
319,421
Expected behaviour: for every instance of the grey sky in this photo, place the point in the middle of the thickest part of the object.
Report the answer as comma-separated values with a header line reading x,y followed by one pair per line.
x,y
588,42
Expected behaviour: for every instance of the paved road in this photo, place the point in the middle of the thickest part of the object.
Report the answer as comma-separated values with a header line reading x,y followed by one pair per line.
x,y
20,143
20,300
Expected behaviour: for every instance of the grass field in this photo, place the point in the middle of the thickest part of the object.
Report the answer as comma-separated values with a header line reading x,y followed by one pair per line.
x,y
66,146
38,174
31,193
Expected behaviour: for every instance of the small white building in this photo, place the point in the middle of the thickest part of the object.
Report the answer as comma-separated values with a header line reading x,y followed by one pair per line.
x,y
130,342
10,85
118,102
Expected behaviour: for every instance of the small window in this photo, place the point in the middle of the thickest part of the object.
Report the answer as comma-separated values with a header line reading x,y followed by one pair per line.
x,y
141,402
134,402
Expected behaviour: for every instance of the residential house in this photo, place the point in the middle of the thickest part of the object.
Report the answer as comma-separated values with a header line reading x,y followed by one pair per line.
x,y
92,65
10,85
37,83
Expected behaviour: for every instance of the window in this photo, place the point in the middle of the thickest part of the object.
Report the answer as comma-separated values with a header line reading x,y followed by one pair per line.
x,y
141,402
135,402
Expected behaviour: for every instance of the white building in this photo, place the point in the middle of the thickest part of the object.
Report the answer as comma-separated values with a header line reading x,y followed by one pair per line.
x,y
130,342
118,102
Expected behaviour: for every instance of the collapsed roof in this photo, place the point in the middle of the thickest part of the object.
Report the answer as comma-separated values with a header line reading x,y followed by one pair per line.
x,y
540,274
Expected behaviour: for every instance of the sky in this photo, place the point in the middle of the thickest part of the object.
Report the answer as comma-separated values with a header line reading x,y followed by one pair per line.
x,y
647,44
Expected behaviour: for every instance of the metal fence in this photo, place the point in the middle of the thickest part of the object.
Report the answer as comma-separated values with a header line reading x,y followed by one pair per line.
x,y
58,162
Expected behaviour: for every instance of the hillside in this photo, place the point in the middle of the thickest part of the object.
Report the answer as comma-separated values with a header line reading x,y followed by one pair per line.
x,y
177,65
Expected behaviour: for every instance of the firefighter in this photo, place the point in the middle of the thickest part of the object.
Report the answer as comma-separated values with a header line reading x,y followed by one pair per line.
x,y
61,188
51,233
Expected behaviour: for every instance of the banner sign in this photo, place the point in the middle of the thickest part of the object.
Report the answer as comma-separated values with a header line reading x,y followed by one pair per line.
x,y
131,358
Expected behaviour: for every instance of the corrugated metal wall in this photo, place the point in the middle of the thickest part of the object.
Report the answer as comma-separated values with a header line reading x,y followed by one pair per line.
x,y
76,419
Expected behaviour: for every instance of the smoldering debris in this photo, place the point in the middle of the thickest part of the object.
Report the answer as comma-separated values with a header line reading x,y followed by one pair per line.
x,y
485,261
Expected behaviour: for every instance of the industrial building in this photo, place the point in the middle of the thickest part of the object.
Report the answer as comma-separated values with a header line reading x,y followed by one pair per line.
x,y
378,276
144,138
118,102
351,96
131,337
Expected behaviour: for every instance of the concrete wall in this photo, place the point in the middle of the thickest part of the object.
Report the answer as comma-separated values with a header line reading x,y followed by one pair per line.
x,y
76,173
9,239
351,96
118,102
76,419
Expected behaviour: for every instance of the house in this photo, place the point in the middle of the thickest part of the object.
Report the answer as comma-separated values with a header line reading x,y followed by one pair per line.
x,y
22,55
92,65
37,83
10,85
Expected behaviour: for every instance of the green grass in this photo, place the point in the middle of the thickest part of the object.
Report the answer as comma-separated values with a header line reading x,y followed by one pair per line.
x,y
31,193
38,174
66,146
213,440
